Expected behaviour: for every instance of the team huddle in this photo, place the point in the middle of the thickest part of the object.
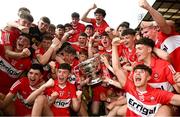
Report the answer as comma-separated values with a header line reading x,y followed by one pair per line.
x,y
74,69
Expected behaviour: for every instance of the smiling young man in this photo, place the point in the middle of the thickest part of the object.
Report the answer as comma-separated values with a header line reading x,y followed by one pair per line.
x,y
162,71
163,33
98,22
81,43
65,96
77,26
22,88
15,63
142,99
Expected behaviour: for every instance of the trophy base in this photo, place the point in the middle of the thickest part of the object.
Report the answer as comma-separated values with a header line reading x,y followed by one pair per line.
x,y
95,81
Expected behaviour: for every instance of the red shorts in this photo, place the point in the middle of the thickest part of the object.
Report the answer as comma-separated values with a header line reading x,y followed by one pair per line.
x,y
97,90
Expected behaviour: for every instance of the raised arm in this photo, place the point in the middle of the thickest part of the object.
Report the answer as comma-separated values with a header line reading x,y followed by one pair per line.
x,y
30,99
160,20
20,27
175,100
44,59
112,82
84,17
17,55
7,100
106,63
90,47
116,64
161,54
76,102
66,36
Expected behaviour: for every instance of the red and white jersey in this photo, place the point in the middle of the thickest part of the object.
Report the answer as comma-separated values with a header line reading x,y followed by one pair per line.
x,y
74,63
9,36
21,88
72,77
162,74
10,70
73,38
101,28
104,51
40,51
144,103
79,28
79,48
127,54
162,37
172,46
62,103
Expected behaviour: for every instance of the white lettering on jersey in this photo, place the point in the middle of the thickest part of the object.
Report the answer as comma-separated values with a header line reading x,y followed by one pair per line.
x,y
62,103
171,43
9,69
140,108
163,86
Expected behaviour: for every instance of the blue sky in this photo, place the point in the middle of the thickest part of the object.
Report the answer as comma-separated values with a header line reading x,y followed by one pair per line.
x,y
59,11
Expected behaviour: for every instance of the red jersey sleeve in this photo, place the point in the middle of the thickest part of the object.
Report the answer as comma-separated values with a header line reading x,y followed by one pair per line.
x,y
39,51
73,90
6,38
48,91
10,36
169,73
76,47
93,21
17,85
163,97
128,85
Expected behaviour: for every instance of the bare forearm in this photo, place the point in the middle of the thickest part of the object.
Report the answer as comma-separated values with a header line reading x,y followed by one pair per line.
x,y
8,99
13,24
14,55
109,67
161,54
84,17
64,38
76,104
121,76
115,61
83,83
46,57
115,83
160,20
30,99
90,53
175,100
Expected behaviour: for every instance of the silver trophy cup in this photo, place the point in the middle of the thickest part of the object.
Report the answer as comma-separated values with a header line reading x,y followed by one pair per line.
x,y
89,69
